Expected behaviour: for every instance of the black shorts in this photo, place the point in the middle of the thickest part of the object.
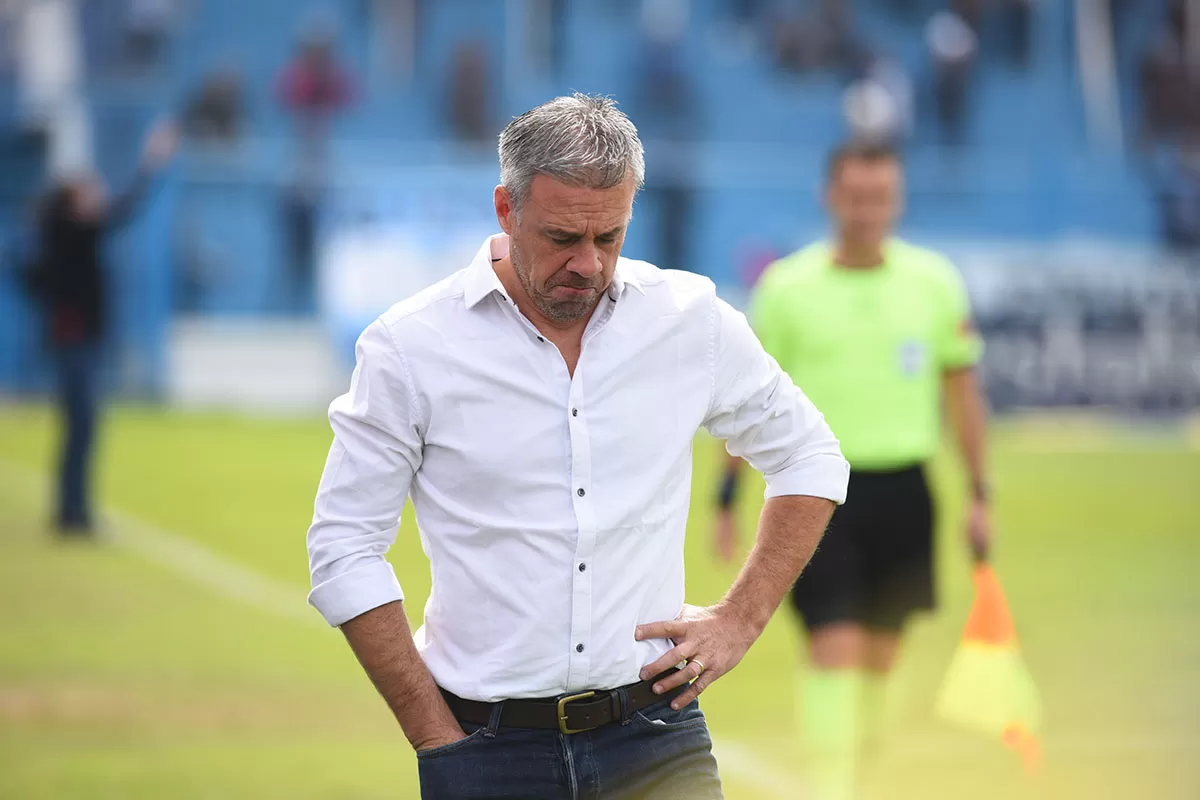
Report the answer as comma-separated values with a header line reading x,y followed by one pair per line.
x,y
875,563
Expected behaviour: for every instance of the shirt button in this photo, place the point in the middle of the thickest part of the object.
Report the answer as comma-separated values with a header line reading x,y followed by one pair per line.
x,y
542,339
581,492
583,567
579,648
574,412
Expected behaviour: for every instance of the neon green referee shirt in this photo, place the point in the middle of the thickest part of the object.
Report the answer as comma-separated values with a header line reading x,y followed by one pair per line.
x,y
868,346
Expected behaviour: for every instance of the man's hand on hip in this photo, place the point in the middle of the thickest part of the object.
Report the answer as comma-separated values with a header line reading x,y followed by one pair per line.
x,y
712,640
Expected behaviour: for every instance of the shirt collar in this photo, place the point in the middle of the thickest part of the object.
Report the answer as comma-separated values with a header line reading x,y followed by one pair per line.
x,y
482,280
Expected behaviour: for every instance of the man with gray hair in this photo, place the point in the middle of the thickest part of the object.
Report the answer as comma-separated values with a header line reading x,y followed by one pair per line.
x,y
539,409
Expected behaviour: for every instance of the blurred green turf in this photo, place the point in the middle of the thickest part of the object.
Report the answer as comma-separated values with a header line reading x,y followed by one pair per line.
x,y
121,678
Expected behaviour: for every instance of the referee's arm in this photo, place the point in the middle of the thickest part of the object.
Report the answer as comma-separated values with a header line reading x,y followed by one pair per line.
x,y
967,411
959,349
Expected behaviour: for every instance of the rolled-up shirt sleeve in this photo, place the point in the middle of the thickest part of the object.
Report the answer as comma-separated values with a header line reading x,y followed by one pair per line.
x,y
766,419
377,445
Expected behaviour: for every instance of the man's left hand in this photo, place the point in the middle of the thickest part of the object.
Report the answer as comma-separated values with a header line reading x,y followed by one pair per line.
x,y
712,640
979,529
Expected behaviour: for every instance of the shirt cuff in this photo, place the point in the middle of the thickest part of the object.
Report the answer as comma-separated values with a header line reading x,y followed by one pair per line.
x,y
346,596
825,475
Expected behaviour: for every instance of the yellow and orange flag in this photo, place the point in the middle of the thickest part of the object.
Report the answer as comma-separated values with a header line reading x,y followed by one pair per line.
x,y
988,688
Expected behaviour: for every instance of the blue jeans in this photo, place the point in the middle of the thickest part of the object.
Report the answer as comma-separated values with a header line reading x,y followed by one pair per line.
x,y
78,398
653,754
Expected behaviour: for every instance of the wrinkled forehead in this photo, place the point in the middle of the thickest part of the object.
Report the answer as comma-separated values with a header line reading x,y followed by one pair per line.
x,y
560,204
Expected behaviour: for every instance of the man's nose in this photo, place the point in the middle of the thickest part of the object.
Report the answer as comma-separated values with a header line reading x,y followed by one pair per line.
x,y
585,261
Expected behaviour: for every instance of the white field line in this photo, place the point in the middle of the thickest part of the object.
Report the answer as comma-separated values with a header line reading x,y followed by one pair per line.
x,y
223,576
236,582
184,557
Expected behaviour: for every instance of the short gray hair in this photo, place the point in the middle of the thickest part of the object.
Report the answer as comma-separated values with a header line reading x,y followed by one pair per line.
x,y
581,140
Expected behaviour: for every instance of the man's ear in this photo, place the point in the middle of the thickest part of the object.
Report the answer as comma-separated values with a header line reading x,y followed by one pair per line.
x,y
506,210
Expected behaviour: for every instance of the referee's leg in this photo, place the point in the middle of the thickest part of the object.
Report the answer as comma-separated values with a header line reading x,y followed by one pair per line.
x,y
899,577
828,598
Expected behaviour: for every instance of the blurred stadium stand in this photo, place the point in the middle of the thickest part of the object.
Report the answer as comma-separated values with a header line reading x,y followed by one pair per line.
x,y
735,165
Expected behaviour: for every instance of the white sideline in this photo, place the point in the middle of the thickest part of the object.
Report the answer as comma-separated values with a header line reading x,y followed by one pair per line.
x,y
184,557
234,581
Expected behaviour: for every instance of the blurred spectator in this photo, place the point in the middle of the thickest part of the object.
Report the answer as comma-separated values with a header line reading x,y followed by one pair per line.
x,y
393,25
314,88
1017,18
214,112
1120,10
878,106
871,112
148,25
952,45
970,11
1177,19
1163,82
469,106
299,208
1179,198
668,115
1170,89
823,38
70,284
666,93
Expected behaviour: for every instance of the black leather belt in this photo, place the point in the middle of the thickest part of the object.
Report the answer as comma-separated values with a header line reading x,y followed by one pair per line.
x,y
572,713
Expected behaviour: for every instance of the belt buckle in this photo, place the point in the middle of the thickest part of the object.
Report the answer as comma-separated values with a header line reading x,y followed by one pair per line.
x,y
562,712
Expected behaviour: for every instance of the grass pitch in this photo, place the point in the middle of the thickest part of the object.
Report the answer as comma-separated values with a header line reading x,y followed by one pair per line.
x,y
178,661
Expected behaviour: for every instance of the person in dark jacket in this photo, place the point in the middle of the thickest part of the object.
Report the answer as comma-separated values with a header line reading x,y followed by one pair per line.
x,y
71,284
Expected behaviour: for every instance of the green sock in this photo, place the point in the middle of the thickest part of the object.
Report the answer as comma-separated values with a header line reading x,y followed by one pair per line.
x,y
874,713
830,725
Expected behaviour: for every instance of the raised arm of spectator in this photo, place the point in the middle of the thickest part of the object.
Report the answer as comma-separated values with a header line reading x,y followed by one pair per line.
x,y
157,151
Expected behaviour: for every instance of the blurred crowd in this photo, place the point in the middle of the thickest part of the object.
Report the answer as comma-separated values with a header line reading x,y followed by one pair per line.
x,y
1169,81
885,93
884,98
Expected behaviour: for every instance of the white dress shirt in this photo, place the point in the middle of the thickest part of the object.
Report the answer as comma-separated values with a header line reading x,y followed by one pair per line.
x,y
552,508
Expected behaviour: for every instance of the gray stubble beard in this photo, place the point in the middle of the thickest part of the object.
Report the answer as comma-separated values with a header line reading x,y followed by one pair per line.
x,y
565,311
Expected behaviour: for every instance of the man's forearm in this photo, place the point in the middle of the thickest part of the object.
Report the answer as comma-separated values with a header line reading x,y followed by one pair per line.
x,y
967,411
383,643
789,530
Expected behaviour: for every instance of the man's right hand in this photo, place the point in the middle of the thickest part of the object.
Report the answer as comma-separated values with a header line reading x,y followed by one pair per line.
x,y
439,740
726,535
382,640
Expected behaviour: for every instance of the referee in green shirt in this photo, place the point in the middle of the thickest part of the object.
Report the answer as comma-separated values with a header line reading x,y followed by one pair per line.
x,y
878,334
